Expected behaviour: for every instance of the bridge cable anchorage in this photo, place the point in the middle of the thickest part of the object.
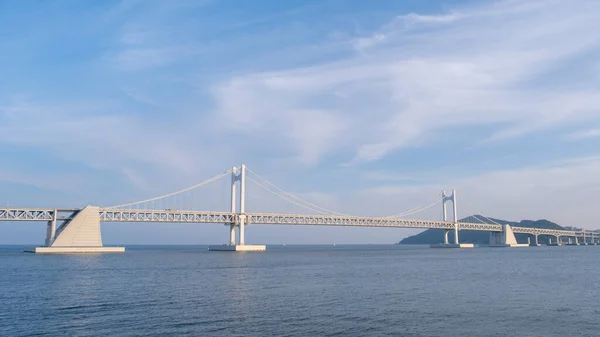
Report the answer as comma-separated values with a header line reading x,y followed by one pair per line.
x,y
414,210
162,197
288,196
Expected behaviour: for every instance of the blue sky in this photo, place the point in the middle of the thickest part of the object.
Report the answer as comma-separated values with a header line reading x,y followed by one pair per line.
x,y
366,107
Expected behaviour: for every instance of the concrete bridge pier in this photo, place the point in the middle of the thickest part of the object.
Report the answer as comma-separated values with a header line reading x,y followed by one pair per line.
x,y
574,242
584,241
446,232
557,243
535,242
583,238
51,230
240,246
506,238
232,234
81,234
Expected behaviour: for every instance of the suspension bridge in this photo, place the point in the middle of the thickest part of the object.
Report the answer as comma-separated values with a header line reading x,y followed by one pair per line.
x,y
77,230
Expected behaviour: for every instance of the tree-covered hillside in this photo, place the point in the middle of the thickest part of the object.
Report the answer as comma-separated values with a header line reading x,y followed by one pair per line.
x,y
431,236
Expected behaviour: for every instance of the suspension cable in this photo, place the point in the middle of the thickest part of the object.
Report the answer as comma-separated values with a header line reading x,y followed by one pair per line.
x,y
476,217
291,200
490,220
414,210
208,181
322,210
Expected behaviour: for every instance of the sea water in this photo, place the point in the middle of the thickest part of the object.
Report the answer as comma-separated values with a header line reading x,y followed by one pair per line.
x,y
382,290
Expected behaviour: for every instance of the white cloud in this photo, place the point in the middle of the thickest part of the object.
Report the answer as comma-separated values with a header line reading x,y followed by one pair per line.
x,y
367,42
584,134
99,136
139,58
483,66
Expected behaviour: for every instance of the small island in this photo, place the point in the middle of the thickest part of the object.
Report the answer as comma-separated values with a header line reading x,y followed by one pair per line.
x,y
433,236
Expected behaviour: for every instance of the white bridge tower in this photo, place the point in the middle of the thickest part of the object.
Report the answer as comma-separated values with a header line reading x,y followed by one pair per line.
x,y
238,175
446,244
445,199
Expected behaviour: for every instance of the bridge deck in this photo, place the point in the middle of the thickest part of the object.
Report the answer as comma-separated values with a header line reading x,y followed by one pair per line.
x,y
174,216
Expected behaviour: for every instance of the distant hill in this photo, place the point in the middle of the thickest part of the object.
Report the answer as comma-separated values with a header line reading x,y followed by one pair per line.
x,y
431,236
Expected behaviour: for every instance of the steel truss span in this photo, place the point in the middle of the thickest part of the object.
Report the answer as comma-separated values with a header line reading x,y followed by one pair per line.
x,y
297,219
110,215
26,214
324,220
545,231
35,214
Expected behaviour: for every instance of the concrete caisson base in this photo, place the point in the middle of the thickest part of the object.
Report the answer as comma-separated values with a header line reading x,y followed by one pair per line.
x,y
75,250
452,245
238,248
512,245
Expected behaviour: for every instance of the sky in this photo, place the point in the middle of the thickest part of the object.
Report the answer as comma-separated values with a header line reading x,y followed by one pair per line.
x,y
363,107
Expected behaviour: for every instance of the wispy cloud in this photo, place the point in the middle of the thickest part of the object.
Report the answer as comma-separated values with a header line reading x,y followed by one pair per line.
x,y
584,134
483,66
88,133
132,59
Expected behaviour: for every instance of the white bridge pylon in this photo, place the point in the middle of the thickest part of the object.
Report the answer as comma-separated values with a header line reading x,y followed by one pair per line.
x,y
445,199
238,176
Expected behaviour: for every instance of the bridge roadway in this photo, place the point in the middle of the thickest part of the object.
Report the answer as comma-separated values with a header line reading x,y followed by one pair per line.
x,y
181,216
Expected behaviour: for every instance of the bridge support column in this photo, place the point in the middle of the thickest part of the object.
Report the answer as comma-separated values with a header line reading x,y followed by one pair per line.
x,y
575,241
455,216
242,231
557,243
241,246
232,235
456,243
51,230
536,242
